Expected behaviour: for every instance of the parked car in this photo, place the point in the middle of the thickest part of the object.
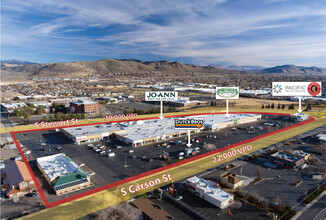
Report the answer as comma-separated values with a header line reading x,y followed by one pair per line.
x,y
2,165
18,158
131,151
111,154
150,160
91,173
118,147
32,194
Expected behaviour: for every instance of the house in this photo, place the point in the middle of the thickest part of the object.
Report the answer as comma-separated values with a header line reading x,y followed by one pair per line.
x,y
230,180
17,181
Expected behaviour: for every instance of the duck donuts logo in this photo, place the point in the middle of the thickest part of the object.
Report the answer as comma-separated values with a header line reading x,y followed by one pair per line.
x,y
314,88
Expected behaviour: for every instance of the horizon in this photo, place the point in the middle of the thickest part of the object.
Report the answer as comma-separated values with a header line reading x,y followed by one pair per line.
x,y
255,33
132,59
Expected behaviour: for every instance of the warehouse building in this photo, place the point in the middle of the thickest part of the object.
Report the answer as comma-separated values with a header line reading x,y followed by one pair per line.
x,y
209,191
139,133
63,174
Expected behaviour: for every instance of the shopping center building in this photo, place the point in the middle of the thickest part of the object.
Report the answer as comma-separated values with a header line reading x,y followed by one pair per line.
x,y
142,132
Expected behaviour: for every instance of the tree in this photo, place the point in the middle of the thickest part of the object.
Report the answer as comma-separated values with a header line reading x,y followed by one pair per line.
x,y
83,115
268,106
212,103
58,116
263,106
291,106
50,118
308,107
279,106
283,106
260,173
17,112
27,117
44,118
272,106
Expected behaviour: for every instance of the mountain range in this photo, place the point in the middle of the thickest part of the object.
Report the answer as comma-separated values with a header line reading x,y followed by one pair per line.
x,y
111,67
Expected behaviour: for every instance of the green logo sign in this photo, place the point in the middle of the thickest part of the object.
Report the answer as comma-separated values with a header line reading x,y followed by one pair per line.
x,y
227,93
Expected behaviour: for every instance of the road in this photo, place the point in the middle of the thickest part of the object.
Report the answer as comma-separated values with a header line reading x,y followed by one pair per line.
x,y
5,120
316,212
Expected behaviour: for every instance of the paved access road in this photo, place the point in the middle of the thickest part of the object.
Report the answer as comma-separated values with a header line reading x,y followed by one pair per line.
x,y
316,212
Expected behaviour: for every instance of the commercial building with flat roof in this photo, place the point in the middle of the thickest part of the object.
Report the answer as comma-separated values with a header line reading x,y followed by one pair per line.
x,y
143,132
209,191
288,160
84,106
62,173
299,117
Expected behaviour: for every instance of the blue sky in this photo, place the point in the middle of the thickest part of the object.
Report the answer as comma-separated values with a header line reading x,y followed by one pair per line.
x,y
237,32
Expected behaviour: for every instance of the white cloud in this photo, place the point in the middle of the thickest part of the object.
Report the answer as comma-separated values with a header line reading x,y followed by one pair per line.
x,y
206,30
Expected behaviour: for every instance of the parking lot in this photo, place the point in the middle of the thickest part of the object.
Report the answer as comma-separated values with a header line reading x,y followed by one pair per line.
x,y
126,163
238,210
278,183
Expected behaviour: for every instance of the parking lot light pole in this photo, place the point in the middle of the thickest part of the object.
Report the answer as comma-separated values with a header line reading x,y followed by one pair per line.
x,y
126,165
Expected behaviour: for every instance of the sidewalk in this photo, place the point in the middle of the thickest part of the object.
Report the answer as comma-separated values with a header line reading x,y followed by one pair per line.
x,y
308,206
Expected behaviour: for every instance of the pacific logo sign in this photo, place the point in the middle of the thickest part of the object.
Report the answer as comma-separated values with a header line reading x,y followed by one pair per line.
x,y
189,123
161,96
296,88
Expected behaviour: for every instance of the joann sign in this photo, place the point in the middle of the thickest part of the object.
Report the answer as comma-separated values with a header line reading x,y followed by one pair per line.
x,y
227,92
161,96
296,88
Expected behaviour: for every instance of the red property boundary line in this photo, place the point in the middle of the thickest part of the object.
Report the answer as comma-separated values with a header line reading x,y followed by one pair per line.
x,y
129,179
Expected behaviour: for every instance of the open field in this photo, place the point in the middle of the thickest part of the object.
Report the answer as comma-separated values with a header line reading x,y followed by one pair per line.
x,y
107,197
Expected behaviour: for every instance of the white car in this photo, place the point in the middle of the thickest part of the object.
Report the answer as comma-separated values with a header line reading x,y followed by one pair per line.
x,y
43,144
91,173
18,158
2,166
82,164
118,147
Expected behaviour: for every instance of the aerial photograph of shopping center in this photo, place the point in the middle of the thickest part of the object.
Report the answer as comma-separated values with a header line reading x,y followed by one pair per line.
x,y
170,110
